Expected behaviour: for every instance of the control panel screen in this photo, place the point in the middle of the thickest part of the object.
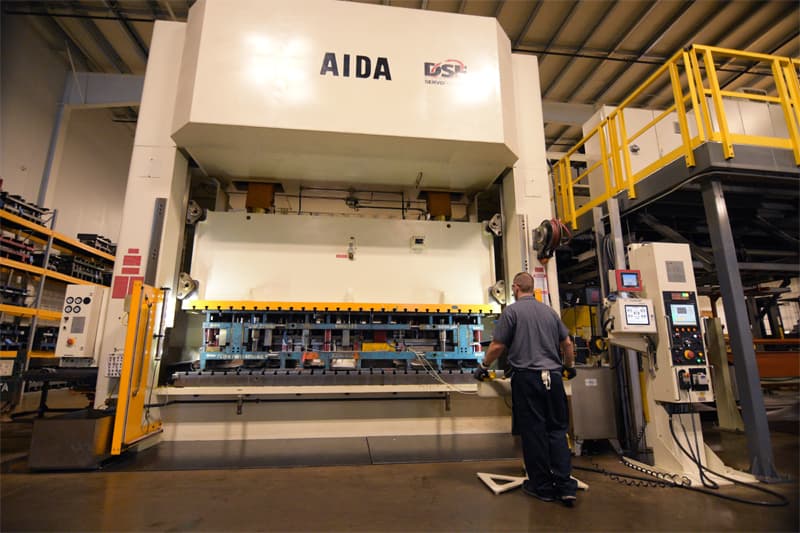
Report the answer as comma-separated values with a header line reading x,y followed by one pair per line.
x,y
636,315
683,315
629,279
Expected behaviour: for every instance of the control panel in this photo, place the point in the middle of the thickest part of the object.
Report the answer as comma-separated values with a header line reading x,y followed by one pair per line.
x,y
625,281
686,338
80,317
678,366
632,315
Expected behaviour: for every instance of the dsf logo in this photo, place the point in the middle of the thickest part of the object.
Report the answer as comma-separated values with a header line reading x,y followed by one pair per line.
x,y
445,69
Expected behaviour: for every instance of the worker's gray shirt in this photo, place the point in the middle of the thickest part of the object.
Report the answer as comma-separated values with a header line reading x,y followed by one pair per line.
x,y
532,332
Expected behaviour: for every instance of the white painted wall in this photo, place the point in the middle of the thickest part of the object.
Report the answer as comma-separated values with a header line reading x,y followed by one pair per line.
x,y
88,187
31,83
87,181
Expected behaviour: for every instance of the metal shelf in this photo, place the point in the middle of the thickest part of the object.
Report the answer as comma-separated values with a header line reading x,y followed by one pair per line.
x,y
17,310
39,271
59,240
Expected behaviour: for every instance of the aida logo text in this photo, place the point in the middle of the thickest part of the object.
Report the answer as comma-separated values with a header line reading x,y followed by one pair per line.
x,y
359,66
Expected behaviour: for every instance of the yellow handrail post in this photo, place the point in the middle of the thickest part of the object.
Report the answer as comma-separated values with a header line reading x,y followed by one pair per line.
x,y
702,94
604,159
696,109
559,179
713,81
787,100
565,174
570,191
616,164
677,93
626,156
556,173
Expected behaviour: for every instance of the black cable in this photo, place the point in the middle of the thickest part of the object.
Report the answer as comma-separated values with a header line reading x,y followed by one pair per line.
x,y
711,483
619,477
695,457
782,501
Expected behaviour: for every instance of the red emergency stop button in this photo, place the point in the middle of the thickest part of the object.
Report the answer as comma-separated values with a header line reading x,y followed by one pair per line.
x,y
70,341
688,354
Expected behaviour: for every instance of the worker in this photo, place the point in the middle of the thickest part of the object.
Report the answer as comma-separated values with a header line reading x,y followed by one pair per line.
x,y
533,333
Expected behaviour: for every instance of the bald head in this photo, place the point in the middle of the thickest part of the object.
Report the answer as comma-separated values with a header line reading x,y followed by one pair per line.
x,y
524,283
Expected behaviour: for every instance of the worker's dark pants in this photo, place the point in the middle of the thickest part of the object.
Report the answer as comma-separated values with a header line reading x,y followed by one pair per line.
x,y
541,419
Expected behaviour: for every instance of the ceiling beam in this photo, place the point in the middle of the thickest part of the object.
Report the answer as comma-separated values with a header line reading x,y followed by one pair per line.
x,y
660,86
762,30
105,46
665,231
769,267
561,25
615,49
775,230
657,36
169,10
130,31
528,23
73,46
588,35
774,49
565,113
499,8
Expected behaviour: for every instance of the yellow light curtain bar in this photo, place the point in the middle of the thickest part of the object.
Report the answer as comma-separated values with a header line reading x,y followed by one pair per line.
x,y
248,305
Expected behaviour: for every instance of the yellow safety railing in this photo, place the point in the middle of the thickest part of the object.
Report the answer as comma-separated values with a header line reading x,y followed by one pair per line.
x,y
697,112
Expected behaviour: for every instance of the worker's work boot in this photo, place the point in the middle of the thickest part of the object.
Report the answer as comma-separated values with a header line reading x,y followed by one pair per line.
x,y
528,489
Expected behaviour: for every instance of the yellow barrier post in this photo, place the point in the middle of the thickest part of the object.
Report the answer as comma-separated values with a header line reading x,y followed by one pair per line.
x,y
626,156
702,93
573,218
677,93
788,101
711,71
616,164
696,109
604,158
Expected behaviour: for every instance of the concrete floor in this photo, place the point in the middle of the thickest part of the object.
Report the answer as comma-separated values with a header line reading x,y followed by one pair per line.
x,y
397,497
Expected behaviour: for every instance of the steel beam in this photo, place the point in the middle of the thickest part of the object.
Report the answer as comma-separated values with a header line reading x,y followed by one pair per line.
x,y
566,113
599,233
108,50
631,357
131,32
588,35
759,446
93,89
778,232
769,267
658,34
499,8
653,223
528,23
560,26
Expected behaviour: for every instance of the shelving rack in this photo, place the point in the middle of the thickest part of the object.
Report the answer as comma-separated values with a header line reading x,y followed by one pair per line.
x,y
44,239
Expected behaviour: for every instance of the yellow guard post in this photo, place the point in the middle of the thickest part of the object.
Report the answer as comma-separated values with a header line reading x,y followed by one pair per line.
x,y
130,423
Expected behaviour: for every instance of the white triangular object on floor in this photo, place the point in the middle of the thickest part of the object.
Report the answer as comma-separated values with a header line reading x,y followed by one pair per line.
x,y
511,482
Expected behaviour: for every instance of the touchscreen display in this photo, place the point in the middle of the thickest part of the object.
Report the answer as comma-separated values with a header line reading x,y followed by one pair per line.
x,y
683,315
636,315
